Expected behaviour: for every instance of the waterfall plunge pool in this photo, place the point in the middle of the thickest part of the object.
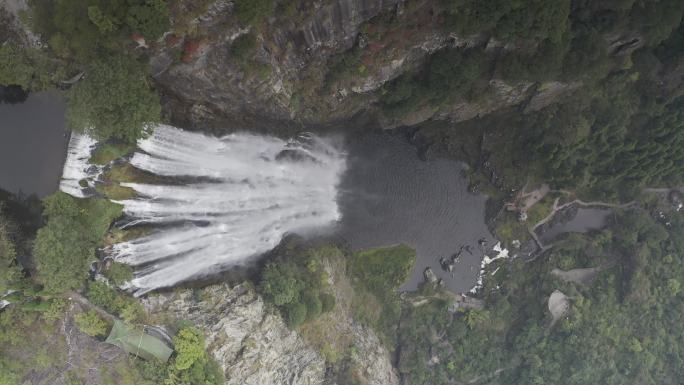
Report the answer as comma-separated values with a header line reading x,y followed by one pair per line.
x,y
372,190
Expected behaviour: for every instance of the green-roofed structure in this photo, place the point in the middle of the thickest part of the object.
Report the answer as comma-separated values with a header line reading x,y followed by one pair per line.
x,y
138,343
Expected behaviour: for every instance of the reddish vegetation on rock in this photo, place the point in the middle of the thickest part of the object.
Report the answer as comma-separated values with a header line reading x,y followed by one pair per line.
x,y
190,49
173,40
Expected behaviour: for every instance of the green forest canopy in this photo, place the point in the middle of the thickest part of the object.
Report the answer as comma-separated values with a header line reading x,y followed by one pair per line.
x,y
65,246
623,329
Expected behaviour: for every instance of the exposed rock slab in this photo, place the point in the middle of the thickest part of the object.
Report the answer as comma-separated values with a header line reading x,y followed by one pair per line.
x,y
251,344
558,305
583,276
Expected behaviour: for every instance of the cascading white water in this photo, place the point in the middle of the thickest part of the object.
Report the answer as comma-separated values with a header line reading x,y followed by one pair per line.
x,y
76,167
239,195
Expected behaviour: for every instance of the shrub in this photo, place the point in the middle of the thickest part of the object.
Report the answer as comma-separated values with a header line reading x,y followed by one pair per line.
x,y
151,18
128,308
189,345
119,273
90,323
327,302
295,314
280,283
243,46
313,305
250,11
102,295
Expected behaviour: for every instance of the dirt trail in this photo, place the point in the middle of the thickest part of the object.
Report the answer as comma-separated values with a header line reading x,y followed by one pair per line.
x,y
74,296
582,276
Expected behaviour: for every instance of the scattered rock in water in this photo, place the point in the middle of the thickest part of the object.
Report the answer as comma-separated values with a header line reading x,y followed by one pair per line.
x,y
429,275
447,264
295,156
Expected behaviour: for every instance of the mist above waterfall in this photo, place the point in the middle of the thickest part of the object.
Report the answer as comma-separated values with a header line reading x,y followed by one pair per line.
x,y
235,198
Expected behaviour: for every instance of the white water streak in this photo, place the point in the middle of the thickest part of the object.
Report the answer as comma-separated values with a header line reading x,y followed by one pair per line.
x,y
501,253
76,166
244,195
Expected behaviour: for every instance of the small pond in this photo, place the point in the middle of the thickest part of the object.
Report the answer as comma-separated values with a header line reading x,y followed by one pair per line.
x,y
585,219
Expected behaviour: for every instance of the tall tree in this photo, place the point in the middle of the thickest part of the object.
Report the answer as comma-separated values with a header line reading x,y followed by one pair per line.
x,y
114,100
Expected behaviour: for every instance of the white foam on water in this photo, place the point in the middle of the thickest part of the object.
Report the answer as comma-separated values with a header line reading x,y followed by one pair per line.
x,y
501,253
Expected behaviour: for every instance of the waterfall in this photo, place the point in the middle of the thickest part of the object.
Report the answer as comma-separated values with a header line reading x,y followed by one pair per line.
x,y
76,167
226,200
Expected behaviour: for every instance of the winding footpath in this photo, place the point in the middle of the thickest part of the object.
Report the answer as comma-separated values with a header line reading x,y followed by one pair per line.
x,y
556,208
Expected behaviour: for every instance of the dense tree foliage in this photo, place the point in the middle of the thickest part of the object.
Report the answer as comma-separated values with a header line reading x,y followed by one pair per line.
x,y
15,67
190,366
251,11
10,271
189,345
297,284
65,247
84,29
114,101
569,41
621,329
449,75
29,68
509,20
115,302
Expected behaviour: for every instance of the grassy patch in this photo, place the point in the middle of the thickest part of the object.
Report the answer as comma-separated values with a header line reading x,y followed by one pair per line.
x,y
119,235
115,191
375,275
109,152
120,173
508,229
384,268
540,210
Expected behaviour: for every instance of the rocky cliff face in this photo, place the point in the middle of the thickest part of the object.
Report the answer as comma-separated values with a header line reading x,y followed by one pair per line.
x,y
319,64
211,85
252,344
315,63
